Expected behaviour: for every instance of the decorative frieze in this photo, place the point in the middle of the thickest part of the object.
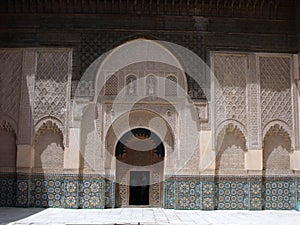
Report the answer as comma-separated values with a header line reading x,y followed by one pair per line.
x,y
229,8
181,192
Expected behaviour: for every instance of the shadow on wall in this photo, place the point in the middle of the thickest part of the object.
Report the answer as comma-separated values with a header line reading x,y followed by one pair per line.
x,y
279,188
8,150
46,187
231,150
276,152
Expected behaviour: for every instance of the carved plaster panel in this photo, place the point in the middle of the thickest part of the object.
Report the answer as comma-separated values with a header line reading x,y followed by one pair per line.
x,y
275,85
230,71
10,82
53,86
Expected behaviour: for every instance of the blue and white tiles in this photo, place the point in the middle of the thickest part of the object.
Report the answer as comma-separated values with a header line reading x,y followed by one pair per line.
x,y
279,195
204,193
7,189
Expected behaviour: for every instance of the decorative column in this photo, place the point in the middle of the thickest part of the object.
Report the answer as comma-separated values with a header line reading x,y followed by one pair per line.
x,y
254,145
25,132
254,157
72,157
72,153
296,155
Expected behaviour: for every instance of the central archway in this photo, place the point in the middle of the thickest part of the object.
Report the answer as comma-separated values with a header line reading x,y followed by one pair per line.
x,y
140,163
148,131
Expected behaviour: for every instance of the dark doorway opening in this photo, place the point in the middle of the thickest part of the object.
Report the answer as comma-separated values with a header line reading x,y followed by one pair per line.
x,y
139,148
139,188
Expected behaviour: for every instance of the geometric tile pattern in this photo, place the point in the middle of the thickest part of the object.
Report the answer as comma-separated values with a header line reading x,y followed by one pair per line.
x,y
279,195
208,195
46,192
298,189
7,191
92,194
169,194
255,195
109,193
94,44
189,195
60,191
71,198
22,193
232,195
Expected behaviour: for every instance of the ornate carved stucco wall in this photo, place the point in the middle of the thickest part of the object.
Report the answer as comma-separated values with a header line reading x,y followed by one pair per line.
x,y
266,26
256,104
254,92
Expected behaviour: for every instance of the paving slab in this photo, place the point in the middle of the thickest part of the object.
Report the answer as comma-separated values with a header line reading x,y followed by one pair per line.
x,y
144,216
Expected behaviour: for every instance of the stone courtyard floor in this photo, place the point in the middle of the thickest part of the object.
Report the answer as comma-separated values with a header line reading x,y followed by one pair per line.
x,y
145,216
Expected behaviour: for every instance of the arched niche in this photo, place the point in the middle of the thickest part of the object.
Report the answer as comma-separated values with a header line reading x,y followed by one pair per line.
x,y
137,119
48,148
8,147
231,150
277,150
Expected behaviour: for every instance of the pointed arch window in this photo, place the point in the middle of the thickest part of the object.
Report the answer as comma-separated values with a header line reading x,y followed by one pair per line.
x,y
131,85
